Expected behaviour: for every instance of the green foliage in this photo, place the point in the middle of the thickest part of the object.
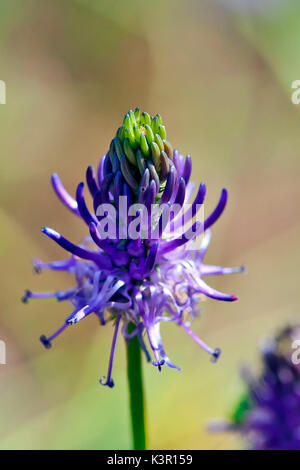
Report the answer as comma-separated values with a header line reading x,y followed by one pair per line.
x,y
242,408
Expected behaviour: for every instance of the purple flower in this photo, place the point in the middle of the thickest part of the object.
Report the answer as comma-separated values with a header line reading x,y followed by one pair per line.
x,y
148,279
268,414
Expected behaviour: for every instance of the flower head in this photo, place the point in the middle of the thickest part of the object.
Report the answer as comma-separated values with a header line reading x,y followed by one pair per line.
x,y
268,414
137,265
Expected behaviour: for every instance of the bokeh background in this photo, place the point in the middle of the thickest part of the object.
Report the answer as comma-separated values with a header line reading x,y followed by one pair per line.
x,y
221,78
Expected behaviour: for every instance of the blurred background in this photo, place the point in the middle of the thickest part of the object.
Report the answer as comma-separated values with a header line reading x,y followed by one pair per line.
x,y
220,74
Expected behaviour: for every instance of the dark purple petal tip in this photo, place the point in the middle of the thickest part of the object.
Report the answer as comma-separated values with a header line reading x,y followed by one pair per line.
x,y
158,364
106,383
216,354
26,296
45,342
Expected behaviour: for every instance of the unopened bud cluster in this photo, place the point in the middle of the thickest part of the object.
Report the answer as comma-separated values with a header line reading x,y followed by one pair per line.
x,y
140,143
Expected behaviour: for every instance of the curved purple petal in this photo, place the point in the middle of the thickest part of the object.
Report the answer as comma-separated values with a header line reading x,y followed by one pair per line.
x,y
63,195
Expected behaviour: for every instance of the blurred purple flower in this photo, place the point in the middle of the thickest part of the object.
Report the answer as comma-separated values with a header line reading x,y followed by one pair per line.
x,y
143,281
254,7
268,414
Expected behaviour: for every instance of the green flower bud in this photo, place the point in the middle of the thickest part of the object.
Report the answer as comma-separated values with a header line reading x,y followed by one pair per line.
x,y
141,163
144,146
149,134
155,124
120,133
132,118
168,149
130,136
162,132
146,119
137,114
155,152
140,142
137,134
111,150
129,152
127,122
118,148
159,142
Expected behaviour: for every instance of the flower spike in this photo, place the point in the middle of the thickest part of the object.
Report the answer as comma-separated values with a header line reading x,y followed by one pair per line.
x,y
135,265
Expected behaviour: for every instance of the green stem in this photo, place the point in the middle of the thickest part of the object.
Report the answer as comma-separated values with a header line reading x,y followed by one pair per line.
x,y
136,392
